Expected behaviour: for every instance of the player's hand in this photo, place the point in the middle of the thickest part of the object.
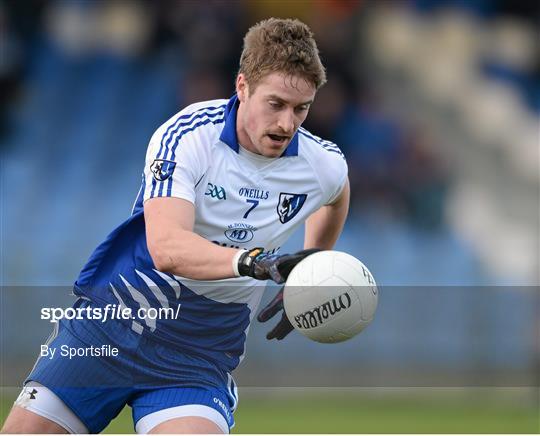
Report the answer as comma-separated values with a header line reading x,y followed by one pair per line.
x,y
262,266
284,326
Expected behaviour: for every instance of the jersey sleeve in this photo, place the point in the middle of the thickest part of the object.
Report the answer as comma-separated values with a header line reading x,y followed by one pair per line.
x,y
333,176
175,162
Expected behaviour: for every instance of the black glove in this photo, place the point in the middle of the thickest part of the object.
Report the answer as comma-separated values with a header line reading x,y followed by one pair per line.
x,y
262,266
284,326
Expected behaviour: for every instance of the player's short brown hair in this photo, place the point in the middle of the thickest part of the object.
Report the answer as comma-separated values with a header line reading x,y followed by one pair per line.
x,y
281,45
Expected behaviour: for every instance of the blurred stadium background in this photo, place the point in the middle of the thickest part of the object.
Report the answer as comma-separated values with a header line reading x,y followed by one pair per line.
x,y
436,105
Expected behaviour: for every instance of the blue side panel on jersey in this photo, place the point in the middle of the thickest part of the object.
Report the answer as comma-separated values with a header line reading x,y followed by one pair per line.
x,y
204,326
137,206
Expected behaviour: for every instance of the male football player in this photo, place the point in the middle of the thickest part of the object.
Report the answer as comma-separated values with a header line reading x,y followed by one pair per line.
x,y
225,183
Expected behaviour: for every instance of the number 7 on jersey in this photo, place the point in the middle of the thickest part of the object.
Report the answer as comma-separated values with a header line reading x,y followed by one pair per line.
x,y
255,203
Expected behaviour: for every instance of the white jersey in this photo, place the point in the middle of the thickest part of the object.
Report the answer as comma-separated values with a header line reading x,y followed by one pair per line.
x,y
241,199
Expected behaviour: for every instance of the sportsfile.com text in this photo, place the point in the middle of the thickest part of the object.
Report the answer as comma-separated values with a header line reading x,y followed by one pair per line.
x,y
108,312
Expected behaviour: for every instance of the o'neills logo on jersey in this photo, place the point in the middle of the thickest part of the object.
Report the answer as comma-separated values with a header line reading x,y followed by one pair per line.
x,y
315,317
256,194
239,232
289,205
162,169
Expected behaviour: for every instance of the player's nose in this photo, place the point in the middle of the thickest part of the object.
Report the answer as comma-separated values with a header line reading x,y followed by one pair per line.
x,y
286,122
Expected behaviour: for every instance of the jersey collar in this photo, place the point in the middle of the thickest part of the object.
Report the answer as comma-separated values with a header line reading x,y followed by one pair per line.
x,y
228,135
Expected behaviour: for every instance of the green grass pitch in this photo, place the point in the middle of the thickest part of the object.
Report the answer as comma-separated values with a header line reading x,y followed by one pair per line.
x,y
376,412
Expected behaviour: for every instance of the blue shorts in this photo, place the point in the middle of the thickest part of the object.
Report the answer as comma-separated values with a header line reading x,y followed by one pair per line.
x,y
148,376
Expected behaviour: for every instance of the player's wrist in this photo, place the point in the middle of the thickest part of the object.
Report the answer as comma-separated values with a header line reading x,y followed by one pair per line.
x,y
245,264
235,261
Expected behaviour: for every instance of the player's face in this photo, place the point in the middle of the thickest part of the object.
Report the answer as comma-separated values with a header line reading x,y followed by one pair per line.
x,y
269,115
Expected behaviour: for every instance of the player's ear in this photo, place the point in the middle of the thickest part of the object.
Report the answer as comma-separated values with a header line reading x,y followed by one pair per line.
x,y
242,87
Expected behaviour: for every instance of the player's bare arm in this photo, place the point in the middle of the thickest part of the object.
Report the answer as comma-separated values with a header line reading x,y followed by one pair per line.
x,y
176,249
324,226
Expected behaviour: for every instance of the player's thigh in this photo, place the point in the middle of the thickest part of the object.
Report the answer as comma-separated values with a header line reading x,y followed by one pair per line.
x,y
188,424
21,420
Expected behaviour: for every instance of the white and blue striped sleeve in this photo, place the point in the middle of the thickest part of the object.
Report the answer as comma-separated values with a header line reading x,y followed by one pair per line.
x,y
179,153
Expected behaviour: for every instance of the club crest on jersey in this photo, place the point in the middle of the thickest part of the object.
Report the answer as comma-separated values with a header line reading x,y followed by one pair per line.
x,y
162,169
289,205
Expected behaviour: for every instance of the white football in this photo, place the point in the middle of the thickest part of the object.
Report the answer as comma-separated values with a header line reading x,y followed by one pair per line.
x,y
330,296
